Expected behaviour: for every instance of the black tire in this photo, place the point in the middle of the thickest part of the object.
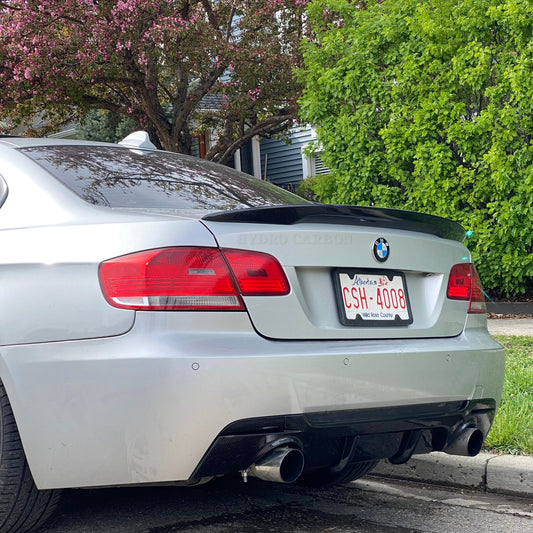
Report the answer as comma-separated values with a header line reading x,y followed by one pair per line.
x,y
327,477
23,507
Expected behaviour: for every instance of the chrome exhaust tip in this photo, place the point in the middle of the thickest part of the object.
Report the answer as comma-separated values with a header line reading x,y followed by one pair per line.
x,y
281,465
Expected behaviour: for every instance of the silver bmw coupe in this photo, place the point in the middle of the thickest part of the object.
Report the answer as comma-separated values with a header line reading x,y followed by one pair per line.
x,y
165,319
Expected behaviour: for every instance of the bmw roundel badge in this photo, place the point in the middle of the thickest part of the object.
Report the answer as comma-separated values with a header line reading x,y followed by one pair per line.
x,y
381,249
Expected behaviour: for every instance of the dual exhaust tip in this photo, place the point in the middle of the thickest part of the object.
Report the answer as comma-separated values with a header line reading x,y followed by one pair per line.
x,y
285,463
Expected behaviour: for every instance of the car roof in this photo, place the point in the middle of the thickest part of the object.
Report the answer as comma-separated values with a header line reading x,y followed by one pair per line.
x,y
22,142
136,140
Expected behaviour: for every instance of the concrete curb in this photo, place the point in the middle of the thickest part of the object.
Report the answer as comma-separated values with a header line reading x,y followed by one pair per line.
x,y
510,308
504,474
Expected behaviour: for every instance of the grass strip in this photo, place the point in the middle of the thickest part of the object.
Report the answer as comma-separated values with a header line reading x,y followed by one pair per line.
x,y
512,431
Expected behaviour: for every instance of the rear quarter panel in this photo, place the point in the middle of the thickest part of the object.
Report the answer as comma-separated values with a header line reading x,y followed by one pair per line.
x,y
51,245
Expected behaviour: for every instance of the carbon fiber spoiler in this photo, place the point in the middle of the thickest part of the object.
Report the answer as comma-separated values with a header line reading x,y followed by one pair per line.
x,y
376,217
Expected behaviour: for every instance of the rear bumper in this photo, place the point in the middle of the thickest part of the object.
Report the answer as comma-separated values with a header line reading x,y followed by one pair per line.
x,y
393,433
147,406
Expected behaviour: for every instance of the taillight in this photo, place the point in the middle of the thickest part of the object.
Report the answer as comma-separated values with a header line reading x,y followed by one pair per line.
x,y
464,284
170,279
190,278
257,274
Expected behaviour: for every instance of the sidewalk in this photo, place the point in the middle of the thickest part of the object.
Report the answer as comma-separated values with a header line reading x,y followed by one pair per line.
x,y
505,474
511,326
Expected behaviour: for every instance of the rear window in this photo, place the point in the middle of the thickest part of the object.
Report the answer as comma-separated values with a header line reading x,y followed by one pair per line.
x,y
128,178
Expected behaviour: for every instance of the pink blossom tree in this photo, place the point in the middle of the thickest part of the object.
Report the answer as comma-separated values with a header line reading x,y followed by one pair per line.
x,y
176,67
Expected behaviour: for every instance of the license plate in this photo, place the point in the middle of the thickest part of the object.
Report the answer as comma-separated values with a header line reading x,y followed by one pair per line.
x,y
372,298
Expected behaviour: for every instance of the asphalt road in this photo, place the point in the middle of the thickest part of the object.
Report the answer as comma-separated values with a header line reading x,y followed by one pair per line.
x,y
227,505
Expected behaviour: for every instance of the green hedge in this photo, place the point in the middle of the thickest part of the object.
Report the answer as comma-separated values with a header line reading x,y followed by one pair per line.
x,y
428,105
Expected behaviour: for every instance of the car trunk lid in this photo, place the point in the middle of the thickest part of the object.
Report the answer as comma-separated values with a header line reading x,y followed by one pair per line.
x,y
328,250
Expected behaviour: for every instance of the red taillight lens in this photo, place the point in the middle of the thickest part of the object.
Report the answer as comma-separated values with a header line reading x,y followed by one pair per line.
x,y
464,284
170,279
190,278
257,274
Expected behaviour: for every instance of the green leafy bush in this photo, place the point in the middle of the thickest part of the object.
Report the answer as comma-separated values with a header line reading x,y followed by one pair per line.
x,y
317,188
428,105
306,189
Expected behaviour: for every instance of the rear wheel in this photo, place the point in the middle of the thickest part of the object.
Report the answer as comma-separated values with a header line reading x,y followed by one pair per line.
x,y
22,506
326,477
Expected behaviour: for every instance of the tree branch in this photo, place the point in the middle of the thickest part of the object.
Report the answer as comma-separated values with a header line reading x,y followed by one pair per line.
x,y
221,152
230,23
210,14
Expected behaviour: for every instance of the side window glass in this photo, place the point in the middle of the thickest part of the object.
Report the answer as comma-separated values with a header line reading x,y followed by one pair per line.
x,y
3,191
